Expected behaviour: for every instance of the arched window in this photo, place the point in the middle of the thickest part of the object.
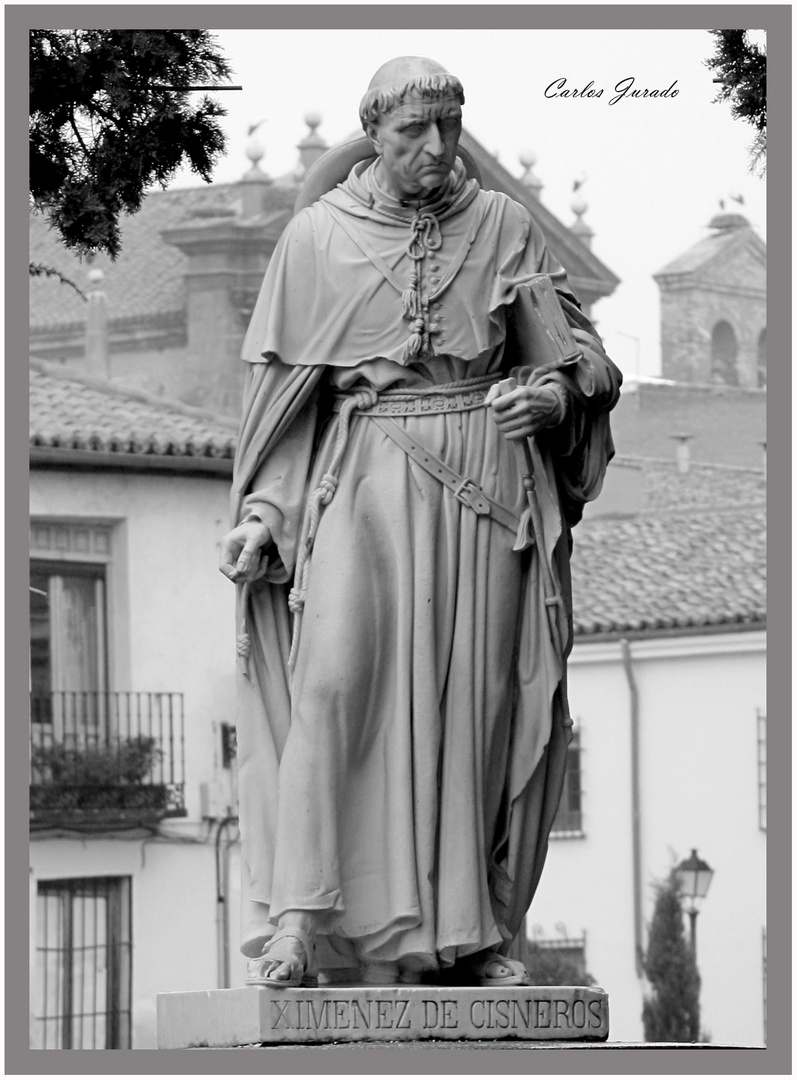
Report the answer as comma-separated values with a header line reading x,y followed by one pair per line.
x,y
762,358
724,353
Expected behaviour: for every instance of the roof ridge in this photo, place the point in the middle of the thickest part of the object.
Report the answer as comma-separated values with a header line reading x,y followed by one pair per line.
x,y
704,511
192,411
673,465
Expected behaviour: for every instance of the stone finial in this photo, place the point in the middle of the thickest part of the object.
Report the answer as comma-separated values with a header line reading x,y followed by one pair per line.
x,y
255,151
311,147
579,227
529,179
255,182
97,350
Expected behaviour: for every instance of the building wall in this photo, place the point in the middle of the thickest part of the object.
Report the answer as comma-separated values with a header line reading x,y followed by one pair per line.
x,y
171,619
732,290
173,895
727,424
698,777
171,629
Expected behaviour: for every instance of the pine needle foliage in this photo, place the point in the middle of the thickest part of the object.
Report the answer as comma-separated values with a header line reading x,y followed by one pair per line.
x,y
103,128
740,69
672,1011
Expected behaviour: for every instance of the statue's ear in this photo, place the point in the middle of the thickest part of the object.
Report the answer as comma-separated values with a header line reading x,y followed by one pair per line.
x,y
372,135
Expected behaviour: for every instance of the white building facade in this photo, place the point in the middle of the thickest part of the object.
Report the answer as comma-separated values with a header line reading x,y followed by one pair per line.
x,y
672,747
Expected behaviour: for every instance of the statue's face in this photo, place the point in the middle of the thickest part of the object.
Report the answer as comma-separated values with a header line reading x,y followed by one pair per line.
x,y
418,143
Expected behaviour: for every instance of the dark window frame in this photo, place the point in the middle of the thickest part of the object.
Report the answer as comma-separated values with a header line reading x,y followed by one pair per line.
x,y
112,953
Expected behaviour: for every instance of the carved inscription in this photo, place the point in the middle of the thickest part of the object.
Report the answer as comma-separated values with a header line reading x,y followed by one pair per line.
x,y
529,1013
258,1015
488,1015
354,1014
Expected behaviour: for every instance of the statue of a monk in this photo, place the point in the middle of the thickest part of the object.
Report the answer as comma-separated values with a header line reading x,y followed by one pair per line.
x,y
403,722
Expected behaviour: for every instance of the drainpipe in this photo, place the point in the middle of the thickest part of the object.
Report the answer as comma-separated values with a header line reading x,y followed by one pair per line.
x,y
222,903
635,805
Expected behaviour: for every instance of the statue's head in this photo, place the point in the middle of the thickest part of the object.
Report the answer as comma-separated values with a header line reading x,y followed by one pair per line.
x,y
412,115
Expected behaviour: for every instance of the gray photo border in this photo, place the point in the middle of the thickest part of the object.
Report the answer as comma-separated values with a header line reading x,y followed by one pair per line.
x,y
491,1059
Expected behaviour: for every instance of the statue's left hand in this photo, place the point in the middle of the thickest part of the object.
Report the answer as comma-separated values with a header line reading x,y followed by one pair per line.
x,y
241,559
528,410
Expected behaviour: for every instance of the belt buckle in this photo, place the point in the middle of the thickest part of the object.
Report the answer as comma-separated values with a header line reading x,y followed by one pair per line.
x,y
468,493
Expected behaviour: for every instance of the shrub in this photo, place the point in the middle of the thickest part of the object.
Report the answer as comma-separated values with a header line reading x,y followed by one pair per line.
x,y
672,1011
127,761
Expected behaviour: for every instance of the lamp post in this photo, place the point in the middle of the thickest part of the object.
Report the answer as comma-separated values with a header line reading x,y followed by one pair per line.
x,y
695,877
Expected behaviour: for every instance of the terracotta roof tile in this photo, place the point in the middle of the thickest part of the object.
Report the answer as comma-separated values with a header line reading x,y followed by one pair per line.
x,y
79,413
670,571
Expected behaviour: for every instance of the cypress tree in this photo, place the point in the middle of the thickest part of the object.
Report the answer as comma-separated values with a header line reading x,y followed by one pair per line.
x,y
672,1011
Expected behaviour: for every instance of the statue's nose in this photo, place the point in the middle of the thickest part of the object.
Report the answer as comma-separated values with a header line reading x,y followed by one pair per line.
x,y
434,142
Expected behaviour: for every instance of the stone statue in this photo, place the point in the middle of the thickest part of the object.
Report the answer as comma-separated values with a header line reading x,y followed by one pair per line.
x,y
403,722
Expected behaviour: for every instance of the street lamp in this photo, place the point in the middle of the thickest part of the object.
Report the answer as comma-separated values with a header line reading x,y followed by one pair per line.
x,y
695,877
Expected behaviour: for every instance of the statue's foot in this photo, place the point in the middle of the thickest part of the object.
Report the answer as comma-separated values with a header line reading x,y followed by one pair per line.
x,y
489,968
288,959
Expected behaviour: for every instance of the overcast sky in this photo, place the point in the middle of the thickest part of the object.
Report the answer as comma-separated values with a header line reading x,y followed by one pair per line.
x,y
656,168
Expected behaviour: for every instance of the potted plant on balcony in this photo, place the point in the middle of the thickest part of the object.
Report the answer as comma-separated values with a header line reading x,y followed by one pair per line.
x,y
97,781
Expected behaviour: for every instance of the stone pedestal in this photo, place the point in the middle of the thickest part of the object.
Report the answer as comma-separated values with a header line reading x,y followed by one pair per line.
x,y
250,1015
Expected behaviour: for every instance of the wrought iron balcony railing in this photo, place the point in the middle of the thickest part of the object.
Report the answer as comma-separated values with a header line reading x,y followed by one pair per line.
x,y
103,759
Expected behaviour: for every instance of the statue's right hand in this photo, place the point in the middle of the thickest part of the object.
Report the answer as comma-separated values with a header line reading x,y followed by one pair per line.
x,y
242,551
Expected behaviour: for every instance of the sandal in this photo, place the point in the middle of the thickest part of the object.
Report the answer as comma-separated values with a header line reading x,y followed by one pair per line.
x,y
476,969
308,976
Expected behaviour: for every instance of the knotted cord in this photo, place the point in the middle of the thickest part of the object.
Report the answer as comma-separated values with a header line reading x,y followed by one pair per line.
x,y
425,237
321,497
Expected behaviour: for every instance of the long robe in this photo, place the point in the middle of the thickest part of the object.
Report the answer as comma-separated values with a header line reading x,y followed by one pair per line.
x,y
402,779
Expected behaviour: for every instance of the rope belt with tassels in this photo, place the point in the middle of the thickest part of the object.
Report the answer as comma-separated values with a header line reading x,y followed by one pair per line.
x,y
462,396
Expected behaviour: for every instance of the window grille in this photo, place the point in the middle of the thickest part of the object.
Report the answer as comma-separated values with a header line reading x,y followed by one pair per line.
x,y
568,820
83,964
762,769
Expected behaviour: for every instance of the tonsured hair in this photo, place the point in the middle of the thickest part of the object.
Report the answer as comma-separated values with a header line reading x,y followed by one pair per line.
x,y
383,99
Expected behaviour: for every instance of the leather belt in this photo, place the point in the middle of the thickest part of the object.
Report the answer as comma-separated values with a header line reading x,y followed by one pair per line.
x,y
426,404
464,489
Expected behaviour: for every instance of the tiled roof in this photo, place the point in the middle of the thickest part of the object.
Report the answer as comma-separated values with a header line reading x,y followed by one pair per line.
x,y
670,571
147,282
78,413
723,487
709,248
